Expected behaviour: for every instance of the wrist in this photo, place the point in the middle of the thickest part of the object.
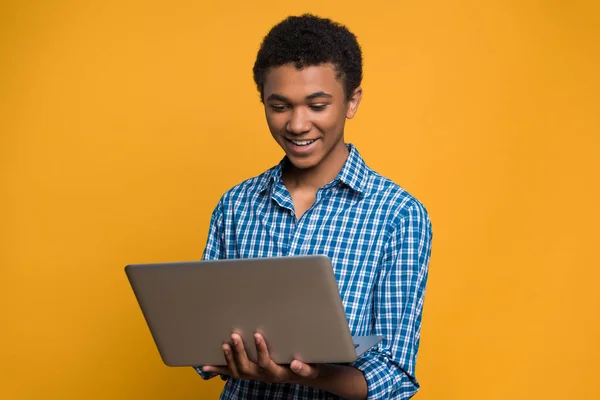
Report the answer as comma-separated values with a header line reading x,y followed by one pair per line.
x,y
342,380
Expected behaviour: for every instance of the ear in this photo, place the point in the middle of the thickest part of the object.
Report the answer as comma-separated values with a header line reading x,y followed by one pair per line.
x,y
353,103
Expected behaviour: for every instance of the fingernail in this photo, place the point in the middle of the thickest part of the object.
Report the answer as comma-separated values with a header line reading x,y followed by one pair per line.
x,y
257,339
235,342
226,352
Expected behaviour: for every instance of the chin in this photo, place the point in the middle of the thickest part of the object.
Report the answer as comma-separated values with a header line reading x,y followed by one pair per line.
x,y
303,163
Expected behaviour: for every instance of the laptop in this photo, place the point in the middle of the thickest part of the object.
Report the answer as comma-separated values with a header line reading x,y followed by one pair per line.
x,y
191,308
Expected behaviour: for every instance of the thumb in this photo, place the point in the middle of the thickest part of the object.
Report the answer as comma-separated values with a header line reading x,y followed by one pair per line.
x,y
304,370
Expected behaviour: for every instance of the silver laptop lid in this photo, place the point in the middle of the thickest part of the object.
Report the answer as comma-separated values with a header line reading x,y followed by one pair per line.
x,y
191,308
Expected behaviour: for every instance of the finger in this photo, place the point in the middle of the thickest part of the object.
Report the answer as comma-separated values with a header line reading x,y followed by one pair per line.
x,y
240,356
304,370
217,370
231,362
264,358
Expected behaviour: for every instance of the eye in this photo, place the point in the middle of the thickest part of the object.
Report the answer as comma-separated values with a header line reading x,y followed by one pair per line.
x,y
278,107
317,107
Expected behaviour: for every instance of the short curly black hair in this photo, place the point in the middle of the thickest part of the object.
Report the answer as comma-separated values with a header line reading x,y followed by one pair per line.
x,y
308,40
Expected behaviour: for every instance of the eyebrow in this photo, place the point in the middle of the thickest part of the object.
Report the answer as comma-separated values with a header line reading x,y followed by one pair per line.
x,y
312,96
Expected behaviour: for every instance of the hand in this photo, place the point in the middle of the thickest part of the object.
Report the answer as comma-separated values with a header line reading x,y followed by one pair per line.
x,y
240,367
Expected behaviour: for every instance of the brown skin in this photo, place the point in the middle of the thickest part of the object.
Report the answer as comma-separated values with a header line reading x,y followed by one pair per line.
x,y
306,104
344,381
309,104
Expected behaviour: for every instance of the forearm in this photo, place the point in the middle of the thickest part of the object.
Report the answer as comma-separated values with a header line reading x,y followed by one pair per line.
x,y
344,381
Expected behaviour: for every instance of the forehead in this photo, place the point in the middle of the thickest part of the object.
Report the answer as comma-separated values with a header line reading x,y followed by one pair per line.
x,y
292,83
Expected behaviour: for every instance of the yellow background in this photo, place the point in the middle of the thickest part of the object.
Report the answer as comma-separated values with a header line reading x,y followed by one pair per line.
x,y
122,123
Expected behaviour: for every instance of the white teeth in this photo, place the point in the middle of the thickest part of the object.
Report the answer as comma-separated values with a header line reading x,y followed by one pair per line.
x,y
302,142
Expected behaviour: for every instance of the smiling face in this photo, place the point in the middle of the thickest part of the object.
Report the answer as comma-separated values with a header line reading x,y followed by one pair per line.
x,y
306,111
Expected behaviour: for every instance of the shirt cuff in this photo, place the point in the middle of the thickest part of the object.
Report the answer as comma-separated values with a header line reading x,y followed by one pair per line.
x,y
385,380
209,375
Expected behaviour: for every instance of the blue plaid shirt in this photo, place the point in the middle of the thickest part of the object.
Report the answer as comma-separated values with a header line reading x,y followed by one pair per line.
x,y
378,238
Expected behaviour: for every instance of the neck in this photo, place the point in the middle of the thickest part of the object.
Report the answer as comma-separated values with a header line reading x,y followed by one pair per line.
x,y
316,177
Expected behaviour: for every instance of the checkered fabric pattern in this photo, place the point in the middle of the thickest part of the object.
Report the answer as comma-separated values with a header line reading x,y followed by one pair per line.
x,y
378,238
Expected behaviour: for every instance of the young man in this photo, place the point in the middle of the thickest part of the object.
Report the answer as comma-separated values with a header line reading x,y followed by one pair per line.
x,y
323,199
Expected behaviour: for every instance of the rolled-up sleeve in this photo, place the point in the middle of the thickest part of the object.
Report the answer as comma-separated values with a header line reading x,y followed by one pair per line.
x,y
389,367
214,250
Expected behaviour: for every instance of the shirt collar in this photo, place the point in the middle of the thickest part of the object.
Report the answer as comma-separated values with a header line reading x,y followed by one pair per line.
x,y
272,176
354,173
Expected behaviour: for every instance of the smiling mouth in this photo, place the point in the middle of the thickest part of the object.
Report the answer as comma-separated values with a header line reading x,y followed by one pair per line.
x,y
302,142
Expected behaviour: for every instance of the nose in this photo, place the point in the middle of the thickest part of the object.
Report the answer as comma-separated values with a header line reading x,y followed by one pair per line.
x,y
299,122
